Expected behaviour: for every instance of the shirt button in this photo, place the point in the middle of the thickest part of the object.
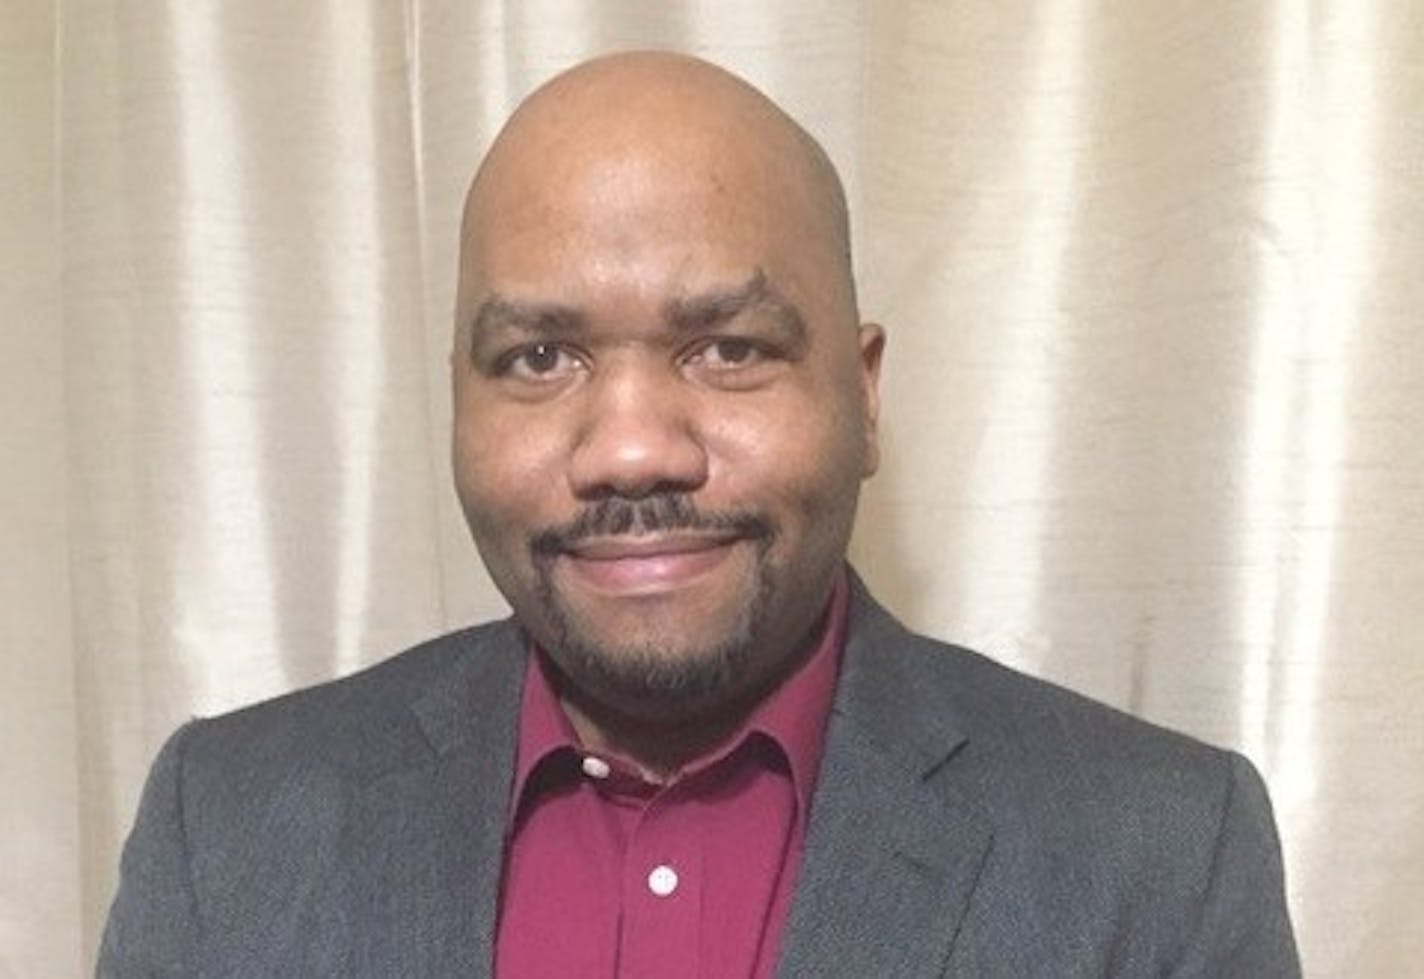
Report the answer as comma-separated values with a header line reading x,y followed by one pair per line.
x,y
595,767
663,880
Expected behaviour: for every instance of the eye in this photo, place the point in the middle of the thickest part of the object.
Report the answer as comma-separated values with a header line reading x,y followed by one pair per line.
x,y
728,353
538,362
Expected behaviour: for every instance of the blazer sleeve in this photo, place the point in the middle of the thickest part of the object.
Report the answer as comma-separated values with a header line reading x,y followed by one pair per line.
x,y
153,924
1244,928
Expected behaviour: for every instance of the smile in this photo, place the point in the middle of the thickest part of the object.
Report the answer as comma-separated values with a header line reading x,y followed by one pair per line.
x,y
647,564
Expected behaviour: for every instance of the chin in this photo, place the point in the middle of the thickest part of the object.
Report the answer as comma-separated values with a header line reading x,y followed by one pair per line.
x,y
656,682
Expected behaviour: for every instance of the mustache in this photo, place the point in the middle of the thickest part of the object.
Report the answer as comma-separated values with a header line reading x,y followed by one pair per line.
x,y
617,516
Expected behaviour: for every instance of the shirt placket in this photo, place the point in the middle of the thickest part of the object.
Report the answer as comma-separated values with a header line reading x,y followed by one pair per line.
x,y
662,894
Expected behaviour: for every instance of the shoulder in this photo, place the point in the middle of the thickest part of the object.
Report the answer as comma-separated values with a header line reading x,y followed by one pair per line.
x,y
268,789
1018,717
1127,836
1046,765
1012,721
246,818
355,727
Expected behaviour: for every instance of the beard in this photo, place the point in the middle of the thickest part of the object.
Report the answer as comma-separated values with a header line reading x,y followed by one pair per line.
x,y
667,675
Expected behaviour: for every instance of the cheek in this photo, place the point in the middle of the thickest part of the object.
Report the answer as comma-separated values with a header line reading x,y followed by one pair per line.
x,y
799,459
502,467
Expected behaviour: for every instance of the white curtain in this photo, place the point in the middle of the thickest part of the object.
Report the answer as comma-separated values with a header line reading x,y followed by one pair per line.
x,y
1151,273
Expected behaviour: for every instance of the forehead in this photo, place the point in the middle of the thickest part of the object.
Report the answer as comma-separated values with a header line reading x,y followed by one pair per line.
x,y
677,211
619,206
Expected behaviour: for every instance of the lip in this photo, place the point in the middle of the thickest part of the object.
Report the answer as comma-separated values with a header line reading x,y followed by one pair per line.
x,y
647,564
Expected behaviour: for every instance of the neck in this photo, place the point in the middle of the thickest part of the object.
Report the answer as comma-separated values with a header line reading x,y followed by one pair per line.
x,y
657,749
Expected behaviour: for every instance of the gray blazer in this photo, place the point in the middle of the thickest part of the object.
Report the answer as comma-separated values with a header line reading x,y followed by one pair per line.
x,y
968,821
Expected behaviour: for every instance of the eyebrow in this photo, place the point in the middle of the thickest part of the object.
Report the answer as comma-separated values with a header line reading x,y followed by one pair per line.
x,y
710,310
498,312
699,313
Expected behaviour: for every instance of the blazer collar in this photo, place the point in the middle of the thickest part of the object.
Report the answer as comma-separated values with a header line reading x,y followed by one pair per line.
x,y
895,842
428,838
883,697
476,700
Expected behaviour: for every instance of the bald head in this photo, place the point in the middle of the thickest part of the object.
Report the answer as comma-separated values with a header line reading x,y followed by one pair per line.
x,y
656,130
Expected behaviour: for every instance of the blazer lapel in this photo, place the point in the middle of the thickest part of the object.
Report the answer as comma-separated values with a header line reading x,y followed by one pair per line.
x,y
895,843
431,833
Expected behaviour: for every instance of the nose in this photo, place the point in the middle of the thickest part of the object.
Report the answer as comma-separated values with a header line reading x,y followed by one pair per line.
x,y
639,436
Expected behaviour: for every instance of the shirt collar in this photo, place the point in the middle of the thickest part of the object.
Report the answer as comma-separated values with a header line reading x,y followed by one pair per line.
x,y
793,716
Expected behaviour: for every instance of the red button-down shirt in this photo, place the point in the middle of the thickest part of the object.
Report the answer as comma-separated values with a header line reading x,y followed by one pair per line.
x,y
608,875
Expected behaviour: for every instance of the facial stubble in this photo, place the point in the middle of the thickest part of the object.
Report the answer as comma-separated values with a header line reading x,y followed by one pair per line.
x,y
667,677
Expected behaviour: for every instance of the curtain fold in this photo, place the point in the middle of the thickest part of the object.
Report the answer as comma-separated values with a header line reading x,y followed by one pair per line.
x,y
1150,274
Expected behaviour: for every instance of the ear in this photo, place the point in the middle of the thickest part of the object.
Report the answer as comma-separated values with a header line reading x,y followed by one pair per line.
x,y
872,346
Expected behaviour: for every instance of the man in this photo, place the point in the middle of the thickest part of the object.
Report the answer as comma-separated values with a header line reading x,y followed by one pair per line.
x,y
699,747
